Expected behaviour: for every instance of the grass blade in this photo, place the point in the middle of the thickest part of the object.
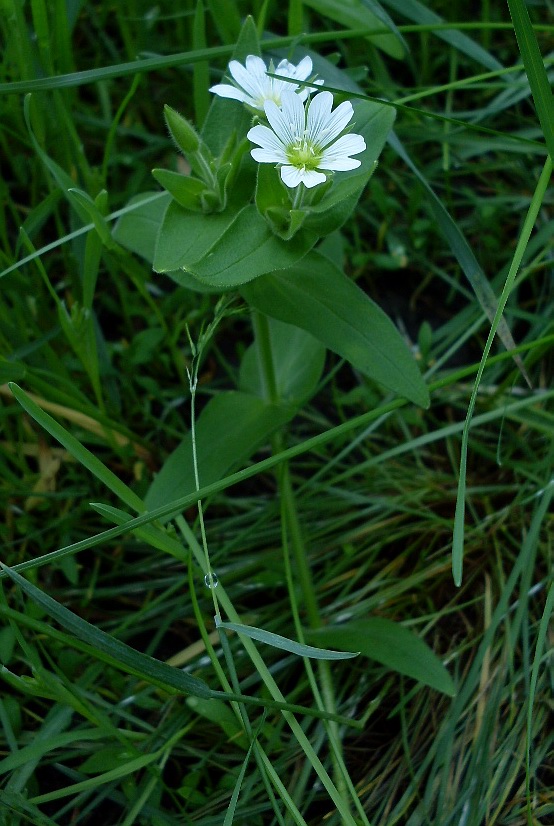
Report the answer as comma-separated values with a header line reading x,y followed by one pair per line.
x,y
277,641
536,203
81,453
117,652
534,66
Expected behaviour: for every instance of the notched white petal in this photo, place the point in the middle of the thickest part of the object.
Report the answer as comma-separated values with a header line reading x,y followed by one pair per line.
x,y
292,176
336,123
293,115
303,70
255,65
341,149
225,90
281,120
266,138
268,155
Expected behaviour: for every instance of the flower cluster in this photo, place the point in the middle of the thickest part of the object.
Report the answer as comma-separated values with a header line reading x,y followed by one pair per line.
x,y
305,138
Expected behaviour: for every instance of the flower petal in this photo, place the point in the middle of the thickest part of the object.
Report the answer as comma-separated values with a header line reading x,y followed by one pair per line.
x,y
292,176
266,138
288,122
336,156
268,155
255,65
319,113
225,90
323,130
251,82
303,70
285,68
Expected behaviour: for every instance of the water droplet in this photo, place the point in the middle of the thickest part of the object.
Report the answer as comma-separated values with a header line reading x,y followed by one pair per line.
x,y
211,580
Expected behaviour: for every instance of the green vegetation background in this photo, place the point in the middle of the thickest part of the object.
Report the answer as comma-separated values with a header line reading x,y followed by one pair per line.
x,y
99,342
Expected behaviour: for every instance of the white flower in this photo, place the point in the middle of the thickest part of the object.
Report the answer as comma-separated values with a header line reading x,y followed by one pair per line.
x,y
253,86
306,139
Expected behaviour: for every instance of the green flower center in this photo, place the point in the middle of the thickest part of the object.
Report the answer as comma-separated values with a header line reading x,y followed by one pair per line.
x,y
303,154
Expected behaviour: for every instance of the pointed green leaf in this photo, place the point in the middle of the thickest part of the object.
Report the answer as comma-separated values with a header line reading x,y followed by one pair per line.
x,y
318,297
536,72
277,641
152,535
117,652
185,236
90,209
185,190
138,229
392,645
229,429
81,453
247,249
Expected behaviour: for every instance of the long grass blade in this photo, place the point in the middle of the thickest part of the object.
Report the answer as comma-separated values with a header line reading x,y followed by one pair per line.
x,y
459,517
536,72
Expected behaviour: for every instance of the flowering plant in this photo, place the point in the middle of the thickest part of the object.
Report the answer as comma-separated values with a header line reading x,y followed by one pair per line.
x,y
274,173
272,176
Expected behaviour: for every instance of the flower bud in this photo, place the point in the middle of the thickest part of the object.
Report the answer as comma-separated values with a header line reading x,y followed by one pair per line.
x,y
182,132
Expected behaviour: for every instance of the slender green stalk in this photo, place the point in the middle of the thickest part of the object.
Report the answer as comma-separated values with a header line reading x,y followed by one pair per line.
x,y
211,577
303,574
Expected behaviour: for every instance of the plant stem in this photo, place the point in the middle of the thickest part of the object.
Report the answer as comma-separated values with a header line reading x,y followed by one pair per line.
x,y
292,528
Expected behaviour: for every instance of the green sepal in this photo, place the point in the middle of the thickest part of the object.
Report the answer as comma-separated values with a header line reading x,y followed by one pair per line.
x,y
273,203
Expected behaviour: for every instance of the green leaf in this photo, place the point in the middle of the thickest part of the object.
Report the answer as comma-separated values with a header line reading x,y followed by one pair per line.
x,y
219,713
138,229
277,641
392,645
536,72
81,453
151,534
463,253
184,189
113,651
84,204
247,249
111,757
185,237
228,431
318,297
421,15
356,14
298,358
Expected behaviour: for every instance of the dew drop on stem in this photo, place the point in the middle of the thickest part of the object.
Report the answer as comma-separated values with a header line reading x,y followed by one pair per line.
x,y
210,580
